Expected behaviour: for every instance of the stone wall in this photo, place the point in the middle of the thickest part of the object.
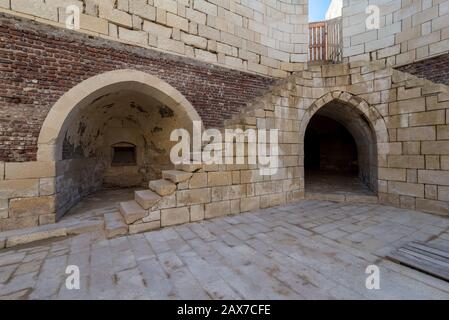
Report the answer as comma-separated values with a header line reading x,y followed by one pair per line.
x,y
262,36
75,179
334,10
27,194
408,116
409,30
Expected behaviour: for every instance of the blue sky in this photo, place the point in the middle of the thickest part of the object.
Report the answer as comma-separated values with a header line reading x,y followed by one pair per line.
x,y
317,9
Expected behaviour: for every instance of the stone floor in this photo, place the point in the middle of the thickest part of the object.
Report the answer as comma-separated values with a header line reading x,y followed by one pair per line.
x,y
99,203
334,183
308,250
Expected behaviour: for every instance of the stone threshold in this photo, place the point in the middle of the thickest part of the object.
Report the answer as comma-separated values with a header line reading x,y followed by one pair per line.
x,y
344,198
14,238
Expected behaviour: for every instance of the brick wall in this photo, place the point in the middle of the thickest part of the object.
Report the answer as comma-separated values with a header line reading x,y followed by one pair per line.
x,y
433,69
263,36
409,30
40,63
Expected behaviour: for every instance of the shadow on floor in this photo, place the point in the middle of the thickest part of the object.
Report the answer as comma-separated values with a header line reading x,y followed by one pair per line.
x,y
99,203
336,183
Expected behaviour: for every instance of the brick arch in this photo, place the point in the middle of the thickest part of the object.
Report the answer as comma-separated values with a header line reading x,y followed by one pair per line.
x,y
66,108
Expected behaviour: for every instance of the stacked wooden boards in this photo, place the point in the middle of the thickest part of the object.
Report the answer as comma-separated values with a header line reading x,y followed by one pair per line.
x,y
429,258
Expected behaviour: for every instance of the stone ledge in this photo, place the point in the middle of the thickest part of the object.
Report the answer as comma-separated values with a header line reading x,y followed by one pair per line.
x,y
344,198
29,170
24,236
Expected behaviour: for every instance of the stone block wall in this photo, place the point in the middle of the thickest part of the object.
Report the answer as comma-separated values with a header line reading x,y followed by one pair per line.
x,y
408,116
262,36
27,194
409,30
334,10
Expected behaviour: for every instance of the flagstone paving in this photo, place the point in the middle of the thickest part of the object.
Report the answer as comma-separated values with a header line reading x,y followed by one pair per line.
x,y
308,250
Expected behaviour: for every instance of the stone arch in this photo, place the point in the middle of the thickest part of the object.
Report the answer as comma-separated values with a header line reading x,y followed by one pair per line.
x,y
363,122
376,120
65,109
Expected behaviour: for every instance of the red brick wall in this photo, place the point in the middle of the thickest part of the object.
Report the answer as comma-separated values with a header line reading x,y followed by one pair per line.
x,y
39,63
433,69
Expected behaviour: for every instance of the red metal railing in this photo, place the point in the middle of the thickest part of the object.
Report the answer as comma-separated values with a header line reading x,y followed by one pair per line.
x,y
325,41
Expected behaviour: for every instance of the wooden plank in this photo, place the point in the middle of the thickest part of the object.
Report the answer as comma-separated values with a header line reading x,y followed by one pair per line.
x,y
430,248
420,255
325,41
419,265
430,259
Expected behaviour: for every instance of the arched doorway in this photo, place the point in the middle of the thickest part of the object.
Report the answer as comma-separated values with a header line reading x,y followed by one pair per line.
x,y
341,146
112,131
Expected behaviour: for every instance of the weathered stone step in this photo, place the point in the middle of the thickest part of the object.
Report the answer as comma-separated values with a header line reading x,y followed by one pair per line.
x,y
132,211
162,187
146,198
114,225
176,176
341,197
81,227
189,167
61,229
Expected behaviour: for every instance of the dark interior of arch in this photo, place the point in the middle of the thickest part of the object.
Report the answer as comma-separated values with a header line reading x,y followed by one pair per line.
x,y
340,152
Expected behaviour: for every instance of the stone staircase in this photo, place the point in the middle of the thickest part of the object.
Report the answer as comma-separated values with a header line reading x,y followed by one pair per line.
x,y
143,213
262,106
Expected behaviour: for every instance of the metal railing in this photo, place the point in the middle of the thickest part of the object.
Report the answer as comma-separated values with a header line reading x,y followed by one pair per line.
x,y
325,41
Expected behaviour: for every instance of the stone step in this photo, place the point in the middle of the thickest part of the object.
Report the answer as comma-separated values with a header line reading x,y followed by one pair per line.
x,y
162,187
146,198
132,211
24,236
189,167
65,228
114,225
342,197
82,227
176,176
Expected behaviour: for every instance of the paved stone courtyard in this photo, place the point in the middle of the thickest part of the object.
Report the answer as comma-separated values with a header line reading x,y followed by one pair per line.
x,y
308,250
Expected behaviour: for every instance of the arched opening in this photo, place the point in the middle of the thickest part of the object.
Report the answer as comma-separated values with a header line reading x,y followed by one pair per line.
x,y
112,131
340,151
